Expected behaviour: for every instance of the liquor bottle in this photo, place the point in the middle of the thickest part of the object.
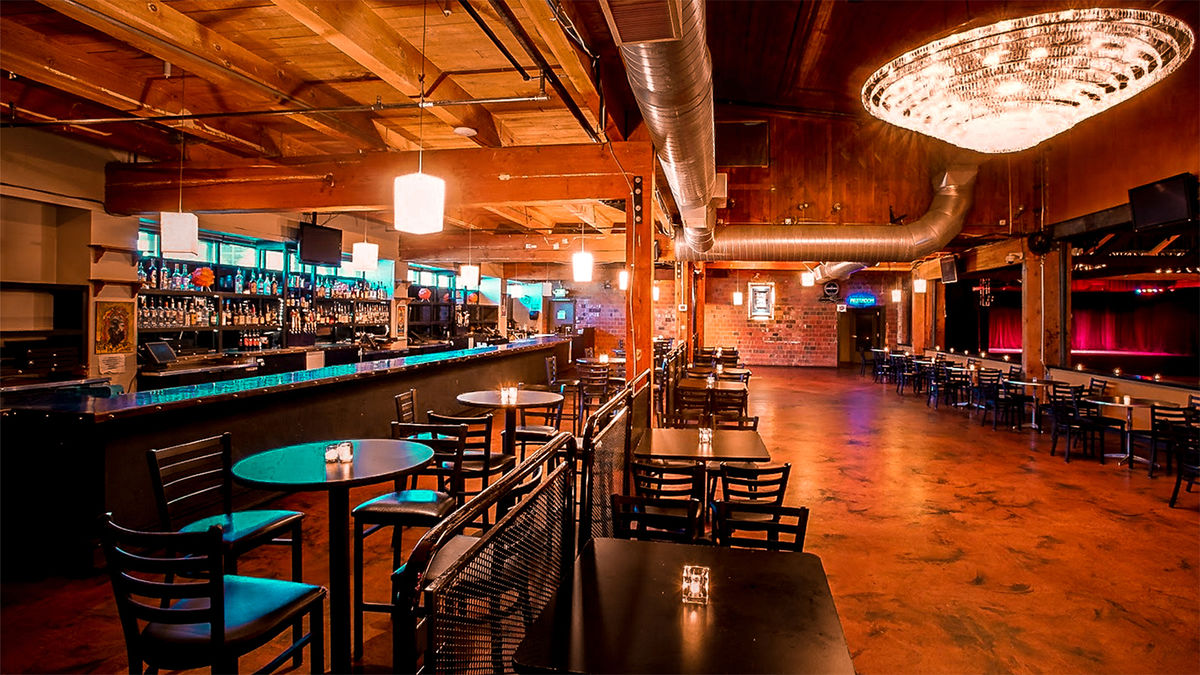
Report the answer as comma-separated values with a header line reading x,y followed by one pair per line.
x,y
141,272
274,285
238,281
164,277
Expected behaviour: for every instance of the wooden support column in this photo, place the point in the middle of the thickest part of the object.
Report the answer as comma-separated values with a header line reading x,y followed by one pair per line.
x,y
922,316
939,315
639,258
682,270
699,284
1041,314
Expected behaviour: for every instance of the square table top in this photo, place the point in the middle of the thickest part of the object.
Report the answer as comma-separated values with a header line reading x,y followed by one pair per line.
x,y
702,383
768,612
728,445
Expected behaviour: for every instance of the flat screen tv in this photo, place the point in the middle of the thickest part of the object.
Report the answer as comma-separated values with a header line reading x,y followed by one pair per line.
x,y
320,245
949,269
1170,201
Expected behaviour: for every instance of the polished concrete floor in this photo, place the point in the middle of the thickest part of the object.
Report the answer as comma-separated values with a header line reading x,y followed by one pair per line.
x,y
950,548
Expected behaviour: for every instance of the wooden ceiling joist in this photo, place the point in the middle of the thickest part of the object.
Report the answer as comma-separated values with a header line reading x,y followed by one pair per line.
x,y
360,33
491,176
41,58
457,247
524,218
164,32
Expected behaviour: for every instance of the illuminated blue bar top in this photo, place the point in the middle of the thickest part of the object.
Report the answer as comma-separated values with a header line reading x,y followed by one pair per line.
x,y
144,402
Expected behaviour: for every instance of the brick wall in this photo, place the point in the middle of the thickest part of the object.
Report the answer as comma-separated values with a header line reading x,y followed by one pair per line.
x,y
604,309
803,331
666,314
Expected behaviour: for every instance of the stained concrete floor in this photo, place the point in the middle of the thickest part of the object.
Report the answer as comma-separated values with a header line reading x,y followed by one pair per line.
x,y
950,548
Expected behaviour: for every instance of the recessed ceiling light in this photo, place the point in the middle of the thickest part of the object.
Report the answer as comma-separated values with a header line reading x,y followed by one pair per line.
x,y
465,131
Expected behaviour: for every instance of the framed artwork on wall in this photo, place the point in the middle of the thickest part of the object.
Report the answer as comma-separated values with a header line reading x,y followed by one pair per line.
x,y
762,300
114,327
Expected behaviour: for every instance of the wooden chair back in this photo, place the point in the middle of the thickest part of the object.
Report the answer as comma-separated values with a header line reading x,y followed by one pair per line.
x,y
192,480
783,527
406,406
650,519
448,442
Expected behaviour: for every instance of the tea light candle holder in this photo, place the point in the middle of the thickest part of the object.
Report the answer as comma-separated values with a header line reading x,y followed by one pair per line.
x,y
339,453
1126,400
604,358
695,585
710,381
508,395
706,436
720,368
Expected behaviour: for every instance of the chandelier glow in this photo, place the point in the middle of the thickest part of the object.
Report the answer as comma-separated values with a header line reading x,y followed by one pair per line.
x,y
1013,84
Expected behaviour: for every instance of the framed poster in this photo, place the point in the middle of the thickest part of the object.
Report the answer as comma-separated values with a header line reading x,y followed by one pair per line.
x,y
114,327
762,300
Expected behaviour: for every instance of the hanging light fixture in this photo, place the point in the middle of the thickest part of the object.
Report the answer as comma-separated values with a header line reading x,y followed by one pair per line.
x,y
418,199
582,262
1011,85
623,280
918,285
655,293
364,255
738,298
180,231
469,273
897,295
807,279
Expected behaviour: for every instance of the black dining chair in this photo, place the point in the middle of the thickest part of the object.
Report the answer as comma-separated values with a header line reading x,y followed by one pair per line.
x,y
406,406
1187,464
1168,429
1067,420
650,519
783,527
193,489
480,462
179,610
409,506
538,425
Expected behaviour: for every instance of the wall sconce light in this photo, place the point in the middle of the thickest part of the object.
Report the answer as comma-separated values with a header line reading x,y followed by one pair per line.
x,y
807,279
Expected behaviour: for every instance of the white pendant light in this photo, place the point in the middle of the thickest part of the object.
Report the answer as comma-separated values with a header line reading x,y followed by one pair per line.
x,y
581,266
365,256
180,233
738,299
418,199
896,295
655,293
807,279
918,285
623,280
469,275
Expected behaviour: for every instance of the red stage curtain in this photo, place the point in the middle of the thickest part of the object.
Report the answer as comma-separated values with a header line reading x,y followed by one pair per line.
x,y
1004,327
1152,327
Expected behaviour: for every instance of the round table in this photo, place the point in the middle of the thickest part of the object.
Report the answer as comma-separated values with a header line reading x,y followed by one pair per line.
x,y
302,467
1038,385
1128,403
526,398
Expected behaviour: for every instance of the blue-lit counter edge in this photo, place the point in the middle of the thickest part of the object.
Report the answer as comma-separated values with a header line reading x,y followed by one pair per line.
x,y
147,402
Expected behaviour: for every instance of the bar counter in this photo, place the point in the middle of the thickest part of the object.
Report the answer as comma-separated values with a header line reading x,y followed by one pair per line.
x,y
68,458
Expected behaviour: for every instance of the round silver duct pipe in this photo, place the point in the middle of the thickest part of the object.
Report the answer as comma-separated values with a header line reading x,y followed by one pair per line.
x,y
864,244
837,270
672,82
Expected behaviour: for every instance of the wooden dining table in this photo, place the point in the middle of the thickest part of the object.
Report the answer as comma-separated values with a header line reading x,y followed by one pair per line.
x,y
728,445
622,612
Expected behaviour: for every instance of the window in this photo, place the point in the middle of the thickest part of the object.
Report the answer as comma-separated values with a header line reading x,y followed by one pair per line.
x,y
273,260
236,254
147,243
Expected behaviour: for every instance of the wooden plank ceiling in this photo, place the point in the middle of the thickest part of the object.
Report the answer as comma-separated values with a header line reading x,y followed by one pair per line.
x,y
73,59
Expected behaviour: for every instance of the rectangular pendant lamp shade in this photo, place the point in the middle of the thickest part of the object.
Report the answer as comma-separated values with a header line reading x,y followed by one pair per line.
x,y
623,280
896,295
918,285
807,279
469,274
180,233
365,256
419,201
581,266
655,293
738,298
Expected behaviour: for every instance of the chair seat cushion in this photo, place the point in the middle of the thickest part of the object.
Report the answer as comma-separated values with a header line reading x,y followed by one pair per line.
x,y
415,507
445,556
536,430
255,609
498,463
246,525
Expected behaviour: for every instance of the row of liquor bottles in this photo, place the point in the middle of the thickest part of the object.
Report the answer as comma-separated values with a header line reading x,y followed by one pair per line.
x,y
304,317
200,312
180,277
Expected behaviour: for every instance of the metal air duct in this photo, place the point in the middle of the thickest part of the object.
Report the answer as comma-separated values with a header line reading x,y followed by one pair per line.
x,y
865,244
837,270
670,72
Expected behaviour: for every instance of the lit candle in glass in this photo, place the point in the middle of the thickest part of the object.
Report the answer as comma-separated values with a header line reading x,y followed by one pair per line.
x,y
720,368
345,452
695,584
604,358
1126,399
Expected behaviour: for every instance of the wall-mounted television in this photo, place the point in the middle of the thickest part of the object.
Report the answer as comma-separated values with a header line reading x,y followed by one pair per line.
x,y
949,269
320,245
1170,201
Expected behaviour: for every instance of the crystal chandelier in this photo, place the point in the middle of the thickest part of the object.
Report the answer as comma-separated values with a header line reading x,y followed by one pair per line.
x,y
1013,84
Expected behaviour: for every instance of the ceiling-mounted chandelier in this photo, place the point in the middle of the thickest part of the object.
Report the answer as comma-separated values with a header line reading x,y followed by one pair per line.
x,y
1013,84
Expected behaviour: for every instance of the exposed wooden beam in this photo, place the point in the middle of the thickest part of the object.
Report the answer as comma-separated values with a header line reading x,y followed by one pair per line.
x,y
160,30
363,35
456,248
526,175
44,59
574,63
525,218
592,216
26,100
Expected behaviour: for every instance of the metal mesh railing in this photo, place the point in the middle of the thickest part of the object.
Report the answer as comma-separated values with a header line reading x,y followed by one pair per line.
x,y
604,459
479,609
